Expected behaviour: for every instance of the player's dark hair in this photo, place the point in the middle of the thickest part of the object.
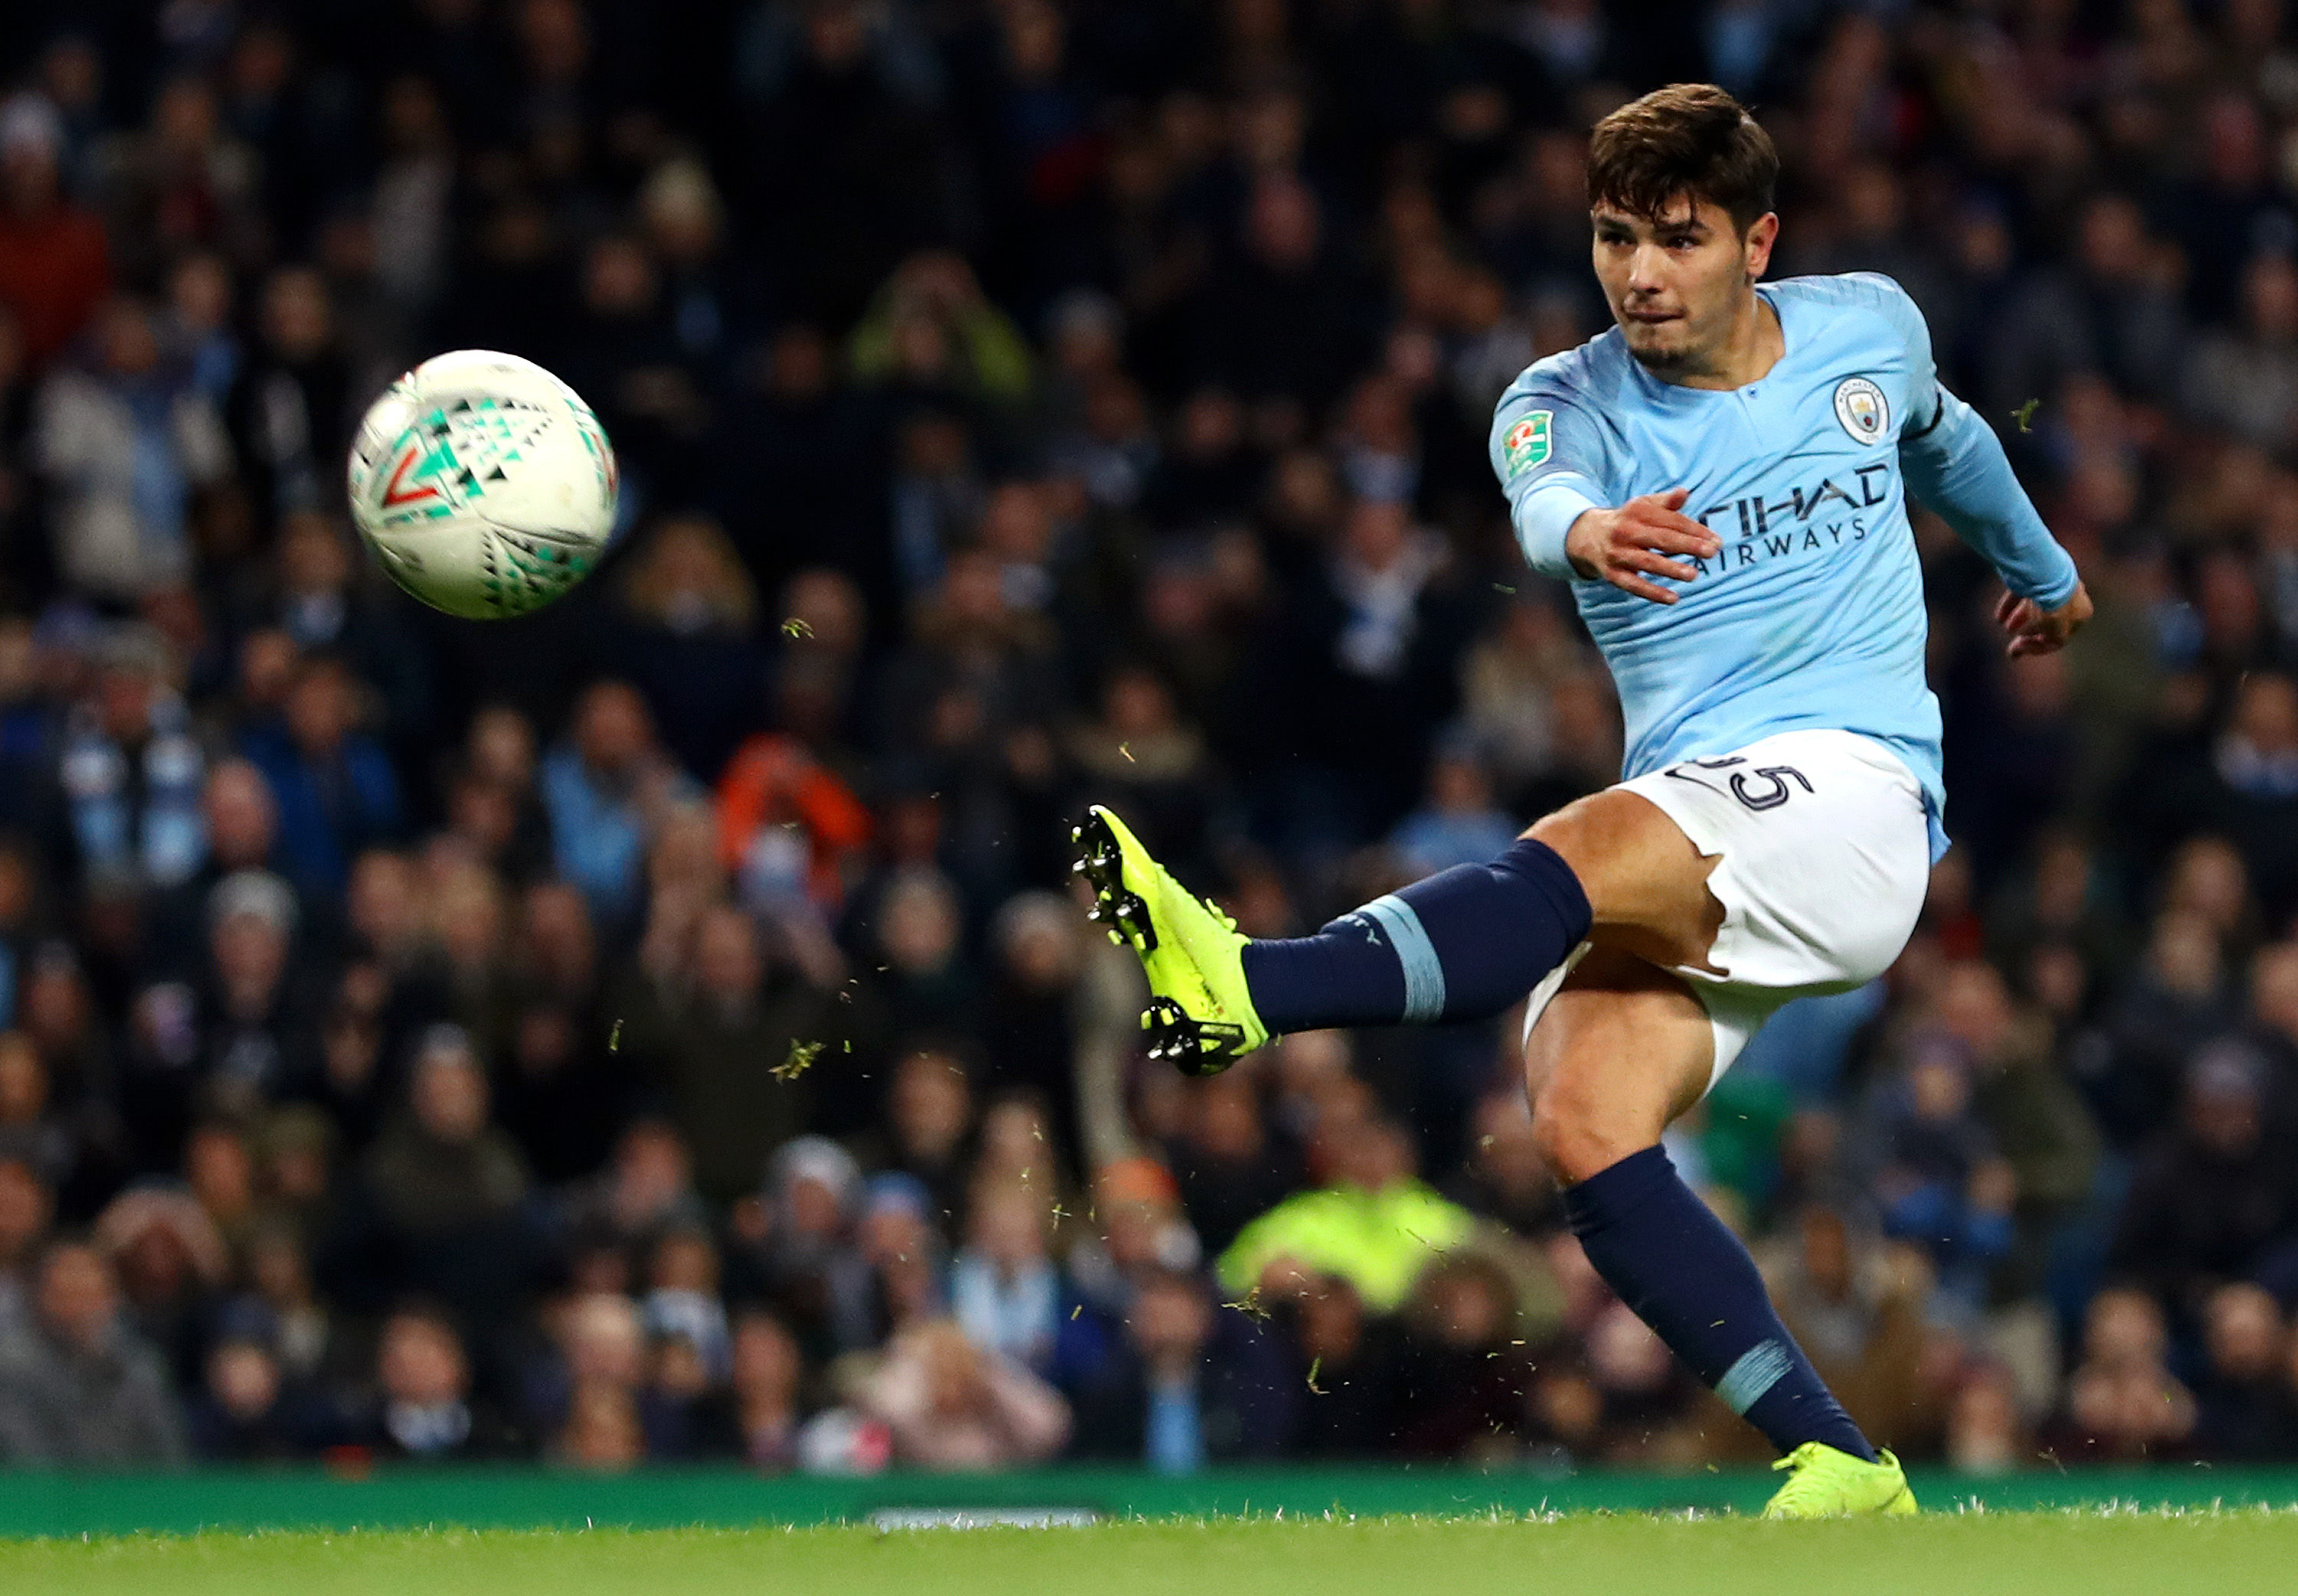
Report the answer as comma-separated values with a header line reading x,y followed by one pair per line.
x,y
1688,138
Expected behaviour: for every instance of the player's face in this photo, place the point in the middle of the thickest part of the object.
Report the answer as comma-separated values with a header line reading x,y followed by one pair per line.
x,y
1680,284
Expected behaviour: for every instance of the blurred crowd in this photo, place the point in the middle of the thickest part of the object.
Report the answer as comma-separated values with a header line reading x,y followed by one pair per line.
x,y
663,1027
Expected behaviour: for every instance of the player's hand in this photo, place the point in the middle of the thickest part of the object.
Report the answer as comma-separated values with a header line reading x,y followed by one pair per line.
x,y
2035,630
1628,546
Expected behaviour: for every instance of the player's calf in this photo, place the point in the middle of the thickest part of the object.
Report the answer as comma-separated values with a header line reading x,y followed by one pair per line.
x,y
1675,1263
1622,1050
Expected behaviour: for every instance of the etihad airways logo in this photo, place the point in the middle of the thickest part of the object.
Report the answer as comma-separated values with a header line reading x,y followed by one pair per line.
x,y
1826,515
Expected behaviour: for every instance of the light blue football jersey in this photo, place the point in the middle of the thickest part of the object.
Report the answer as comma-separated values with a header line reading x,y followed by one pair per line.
x,y
1812,616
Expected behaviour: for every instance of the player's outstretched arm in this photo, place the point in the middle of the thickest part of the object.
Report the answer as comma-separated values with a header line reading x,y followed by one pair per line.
x,y
1629,546
1957,467
1955,464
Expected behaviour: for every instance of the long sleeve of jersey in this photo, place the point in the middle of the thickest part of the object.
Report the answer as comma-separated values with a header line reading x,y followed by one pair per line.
x,y
1955,464
1553,458
1543,521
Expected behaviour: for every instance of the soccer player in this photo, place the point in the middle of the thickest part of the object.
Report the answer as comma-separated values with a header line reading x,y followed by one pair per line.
x,y
1723,478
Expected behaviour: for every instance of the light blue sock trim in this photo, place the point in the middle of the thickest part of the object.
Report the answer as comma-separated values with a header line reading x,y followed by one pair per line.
x,y
1758,1369
1424,972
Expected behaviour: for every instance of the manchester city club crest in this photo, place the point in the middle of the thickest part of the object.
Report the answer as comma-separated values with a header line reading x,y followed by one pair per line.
x,y
1861,407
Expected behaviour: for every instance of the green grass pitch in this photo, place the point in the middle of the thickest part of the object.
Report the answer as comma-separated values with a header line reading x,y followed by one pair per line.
x,y
2043,1554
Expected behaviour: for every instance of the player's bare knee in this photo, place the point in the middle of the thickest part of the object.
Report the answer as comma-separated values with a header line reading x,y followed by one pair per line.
x,y
1578,833
1572,1140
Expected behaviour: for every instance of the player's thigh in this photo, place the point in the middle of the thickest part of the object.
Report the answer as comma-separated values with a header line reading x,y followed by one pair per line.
x,y
1646,881
1621,1050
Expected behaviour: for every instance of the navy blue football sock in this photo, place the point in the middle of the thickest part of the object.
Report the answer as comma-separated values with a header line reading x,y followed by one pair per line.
x,y
1462,945
1687,1277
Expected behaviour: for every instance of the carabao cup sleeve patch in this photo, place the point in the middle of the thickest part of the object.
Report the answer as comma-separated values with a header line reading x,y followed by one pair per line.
x,y
1529,443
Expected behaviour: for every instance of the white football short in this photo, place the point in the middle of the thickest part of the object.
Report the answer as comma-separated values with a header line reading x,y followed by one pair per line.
x,y
1822,854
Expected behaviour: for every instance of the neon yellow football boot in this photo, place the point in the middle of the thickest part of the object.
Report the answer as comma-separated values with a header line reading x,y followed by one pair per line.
x,y
1829,1483
1200,1013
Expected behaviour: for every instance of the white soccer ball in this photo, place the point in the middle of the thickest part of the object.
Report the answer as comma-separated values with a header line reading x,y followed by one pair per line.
x,y
484,485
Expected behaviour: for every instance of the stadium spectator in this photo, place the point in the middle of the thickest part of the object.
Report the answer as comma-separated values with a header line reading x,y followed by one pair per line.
x,y
931,327
899,1243
1505,1179
1456,823
1856,1306
954,1406
682,1306
1017,1147
1141,754
55,259
2209,1193
78,1388
646,1192
791,832
728,1039
1190,1386
337,791
601,789
679,1400
926,1125
219,1169
2174,1003
1227,1167
2038,1123
760,1422
129,771
1029,1030
2111,306
1141,1231
292,393
927,983
1463,1366
1005,1291
597,1423
1345,1361
57,1012
2245,379
124,443
247,1005
31,1136
1366,659
240,821
1374,1224
247,1412
689,643
26,1205
445,1190
2122,1402
282,1310
320,607
2244,1406
1646,1414
171,1263
796,1240
1985,1434
424,1411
